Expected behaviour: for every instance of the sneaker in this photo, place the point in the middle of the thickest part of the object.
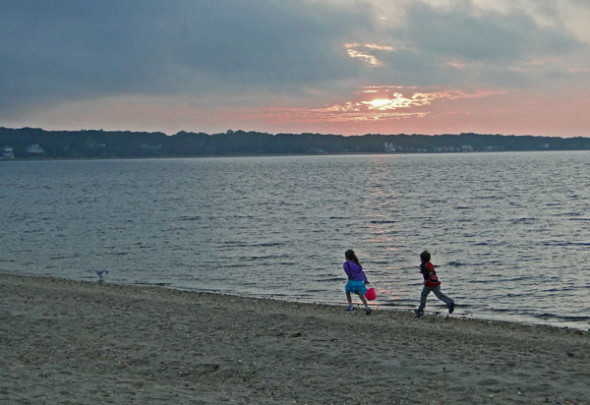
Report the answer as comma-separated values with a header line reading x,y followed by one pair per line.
x,y
350,308
418,312
451,307
368,310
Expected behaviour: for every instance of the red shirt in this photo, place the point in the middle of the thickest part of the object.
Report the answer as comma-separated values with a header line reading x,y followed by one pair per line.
x,y
430,277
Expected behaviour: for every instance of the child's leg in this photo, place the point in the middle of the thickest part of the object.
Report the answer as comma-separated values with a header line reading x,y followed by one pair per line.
x,y
349,298
364,300
439,294
423,296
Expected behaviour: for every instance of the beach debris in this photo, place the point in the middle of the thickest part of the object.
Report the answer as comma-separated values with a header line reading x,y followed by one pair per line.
x,y
101,274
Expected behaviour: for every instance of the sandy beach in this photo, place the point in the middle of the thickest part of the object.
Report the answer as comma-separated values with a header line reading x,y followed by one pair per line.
x,y
73,342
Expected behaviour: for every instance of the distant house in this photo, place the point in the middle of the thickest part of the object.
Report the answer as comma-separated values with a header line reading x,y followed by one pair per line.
x,y
390,147
7,153
92,144
35,149
151,148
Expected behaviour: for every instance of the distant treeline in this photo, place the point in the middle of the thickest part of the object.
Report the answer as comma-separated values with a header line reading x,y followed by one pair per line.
x,y
38,143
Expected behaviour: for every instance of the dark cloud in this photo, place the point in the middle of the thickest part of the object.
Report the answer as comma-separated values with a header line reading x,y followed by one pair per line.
x,y
486,37
62,50
489,45
72,50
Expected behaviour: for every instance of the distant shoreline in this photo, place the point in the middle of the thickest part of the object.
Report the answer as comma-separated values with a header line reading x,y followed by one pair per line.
x,y
42,159
35,143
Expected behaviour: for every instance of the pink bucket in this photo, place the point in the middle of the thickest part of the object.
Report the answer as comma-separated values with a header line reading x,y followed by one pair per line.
x,y
371,294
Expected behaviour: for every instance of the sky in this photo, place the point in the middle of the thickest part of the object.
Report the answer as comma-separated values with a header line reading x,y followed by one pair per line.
x,y
350,67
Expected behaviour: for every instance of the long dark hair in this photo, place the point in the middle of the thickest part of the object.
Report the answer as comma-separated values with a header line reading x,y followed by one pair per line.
x,y
349,254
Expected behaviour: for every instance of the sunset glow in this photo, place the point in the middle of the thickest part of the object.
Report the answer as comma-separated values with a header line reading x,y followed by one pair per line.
x,y
353,68
379,103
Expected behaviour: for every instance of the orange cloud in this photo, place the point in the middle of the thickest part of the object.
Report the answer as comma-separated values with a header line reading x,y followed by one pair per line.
x,y
456,64
374,103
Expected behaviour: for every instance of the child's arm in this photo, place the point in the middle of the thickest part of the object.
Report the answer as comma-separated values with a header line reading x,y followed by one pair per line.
x,y
347,270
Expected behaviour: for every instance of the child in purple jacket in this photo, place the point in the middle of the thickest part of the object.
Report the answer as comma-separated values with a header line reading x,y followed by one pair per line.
x,y
357,280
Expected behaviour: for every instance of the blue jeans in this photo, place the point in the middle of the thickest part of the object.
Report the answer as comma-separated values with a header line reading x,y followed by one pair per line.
x,y
437,292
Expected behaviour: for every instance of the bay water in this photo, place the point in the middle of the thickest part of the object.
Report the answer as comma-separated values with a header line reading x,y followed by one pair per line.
x,y
509,232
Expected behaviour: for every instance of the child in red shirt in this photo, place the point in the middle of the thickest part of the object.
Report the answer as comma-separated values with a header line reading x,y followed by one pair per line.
x,y
431,283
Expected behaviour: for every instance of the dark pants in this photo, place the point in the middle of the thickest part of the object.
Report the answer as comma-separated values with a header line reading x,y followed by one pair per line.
x,y
437,292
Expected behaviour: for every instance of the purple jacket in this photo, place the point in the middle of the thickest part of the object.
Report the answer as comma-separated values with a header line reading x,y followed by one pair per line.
x,y
354,271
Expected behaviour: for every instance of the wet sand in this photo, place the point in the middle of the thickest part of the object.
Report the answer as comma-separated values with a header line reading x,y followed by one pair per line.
x,y
73,342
